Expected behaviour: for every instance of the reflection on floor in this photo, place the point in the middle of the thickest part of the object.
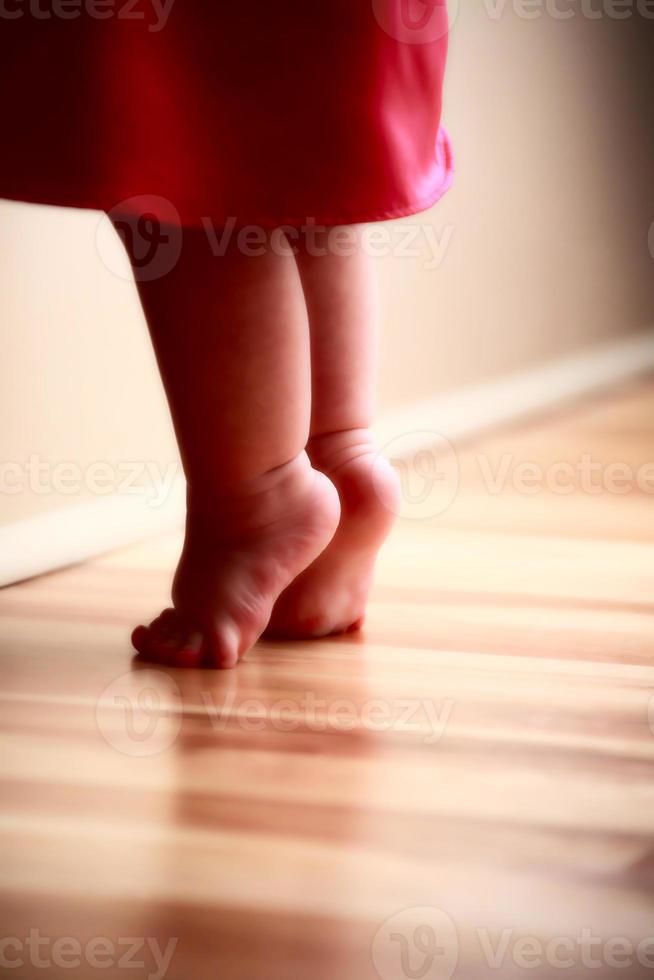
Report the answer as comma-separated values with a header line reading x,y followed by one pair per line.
x,y
464,790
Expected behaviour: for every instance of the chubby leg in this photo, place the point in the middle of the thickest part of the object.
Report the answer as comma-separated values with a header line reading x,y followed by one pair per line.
x,y
231,341
341,295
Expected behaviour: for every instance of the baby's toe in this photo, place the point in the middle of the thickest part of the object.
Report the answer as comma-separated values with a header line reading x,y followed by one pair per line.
x,y
191,650
164,624
141,639
166,647
222,646
161,641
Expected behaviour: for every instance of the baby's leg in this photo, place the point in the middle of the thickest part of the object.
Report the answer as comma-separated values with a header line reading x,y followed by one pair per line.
x,y
231,340
341,295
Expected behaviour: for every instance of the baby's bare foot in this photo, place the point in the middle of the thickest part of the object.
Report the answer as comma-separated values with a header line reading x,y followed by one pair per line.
x,y
235,563
330,596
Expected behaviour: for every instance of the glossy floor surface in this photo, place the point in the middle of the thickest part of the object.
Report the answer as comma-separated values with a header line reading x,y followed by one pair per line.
x,y
466,789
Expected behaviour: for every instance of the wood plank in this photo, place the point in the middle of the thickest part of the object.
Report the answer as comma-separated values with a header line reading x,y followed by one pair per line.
x,y
484,750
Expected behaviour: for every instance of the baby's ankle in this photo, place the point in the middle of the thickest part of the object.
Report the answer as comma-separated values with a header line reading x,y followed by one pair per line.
x,y
245,506
329,451
367,483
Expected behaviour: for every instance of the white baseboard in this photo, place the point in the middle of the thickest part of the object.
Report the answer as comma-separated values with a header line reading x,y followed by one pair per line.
x,y
72,534
52,540
470,410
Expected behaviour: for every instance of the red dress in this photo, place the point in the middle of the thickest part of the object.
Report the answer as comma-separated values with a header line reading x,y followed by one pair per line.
x,y
265,112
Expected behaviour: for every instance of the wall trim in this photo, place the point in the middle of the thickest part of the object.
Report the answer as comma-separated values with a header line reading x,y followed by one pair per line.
x,y
52,540
42,543
470,410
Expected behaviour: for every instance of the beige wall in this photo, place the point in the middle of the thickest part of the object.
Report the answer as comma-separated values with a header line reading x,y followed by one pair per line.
x,y
550,209
78,378
546,231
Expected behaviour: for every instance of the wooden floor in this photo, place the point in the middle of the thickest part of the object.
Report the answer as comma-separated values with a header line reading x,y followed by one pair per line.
x,y
459,791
